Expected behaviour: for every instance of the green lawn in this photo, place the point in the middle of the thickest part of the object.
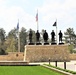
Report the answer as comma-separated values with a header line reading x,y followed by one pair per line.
x,y
26,70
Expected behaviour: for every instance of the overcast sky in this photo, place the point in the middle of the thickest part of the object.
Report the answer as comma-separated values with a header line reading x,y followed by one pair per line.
x,y
48,10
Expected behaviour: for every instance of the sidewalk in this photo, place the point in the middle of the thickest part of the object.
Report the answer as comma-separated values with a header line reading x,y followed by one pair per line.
x,y
69,65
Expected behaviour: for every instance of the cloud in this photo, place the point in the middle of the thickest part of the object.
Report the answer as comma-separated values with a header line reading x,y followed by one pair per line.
x,y
56,8
9,17
50,10
2,1
63,11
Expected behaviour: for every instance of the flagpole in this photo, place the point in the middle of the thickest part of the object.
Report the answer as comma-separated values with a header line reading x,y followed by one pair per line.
x,y
37,20
37,26
18,39
56,33
18,42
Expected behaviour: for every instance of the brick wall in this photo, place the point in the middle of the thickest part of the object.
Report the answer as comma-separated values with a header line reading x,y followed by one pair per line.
x,y
39,53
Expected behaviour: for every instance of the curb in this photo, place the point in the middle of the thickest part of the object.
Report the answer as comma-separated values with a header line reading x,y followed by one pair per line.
x,y
66,73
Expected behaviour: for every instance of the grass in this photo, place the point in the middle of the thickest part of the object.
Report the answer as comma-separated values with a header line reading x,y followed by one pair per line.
x,y
26,70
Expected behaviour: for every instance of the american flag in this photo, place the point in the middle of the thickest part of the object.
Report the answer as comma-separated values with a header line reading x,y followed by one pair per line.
x,y
37,16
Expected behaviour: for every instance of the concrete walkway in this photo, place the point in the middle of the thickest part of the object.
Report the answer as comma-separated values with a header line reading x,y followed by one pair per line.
x,y
69,65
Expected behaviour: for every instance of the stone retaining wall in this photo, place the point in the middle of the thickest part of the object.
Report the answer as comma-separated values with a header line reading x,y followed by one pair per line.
x,y
34,53
12,56
41,53
72,56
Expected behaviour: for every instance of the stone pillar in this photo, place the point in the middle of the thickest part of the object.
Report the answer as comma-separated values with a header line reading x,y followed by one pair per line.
x,y
25,54
75,67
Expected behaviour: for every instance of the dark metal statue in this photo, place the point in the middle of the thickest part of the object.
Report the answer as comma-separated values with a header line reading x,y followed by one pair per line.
x,y
45,36
30,36
53,36
60,36
37,36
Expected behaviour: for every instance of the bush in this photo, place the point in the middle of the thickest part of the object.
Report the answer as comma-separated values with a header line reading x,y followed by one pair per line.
x,y
2,52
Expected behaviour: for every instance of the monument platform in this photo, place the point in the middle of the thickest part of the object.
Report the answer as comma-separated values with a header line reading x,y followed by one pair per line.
x,y
42,53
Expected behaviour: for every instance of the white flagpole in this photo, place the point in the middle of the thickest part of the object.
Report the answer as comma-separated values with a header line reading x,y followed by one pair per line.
x,y
37,20
18,38
56,33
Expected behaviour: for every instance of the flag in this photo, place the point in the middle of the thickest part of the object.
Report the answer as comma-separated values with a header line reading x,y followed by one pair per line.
x,y
18,26
54,24
37,16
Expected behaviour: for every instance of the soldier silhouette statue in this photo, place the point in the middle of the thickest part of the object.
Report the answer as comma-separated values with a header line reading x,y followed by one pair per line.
x,y
60,36
37,36
45,36
30,36
53,36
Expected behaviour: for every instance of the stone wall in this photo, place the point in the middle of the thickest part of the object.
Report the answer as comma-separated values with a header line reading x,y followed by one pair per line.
x,y
72,56
34,53
12,56
40,53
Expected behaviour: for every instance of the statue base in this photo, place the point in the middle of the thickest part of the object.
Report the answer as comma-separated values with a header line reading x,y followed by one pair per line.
x,y
46,43
61,43
38,44
31,44
53,43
